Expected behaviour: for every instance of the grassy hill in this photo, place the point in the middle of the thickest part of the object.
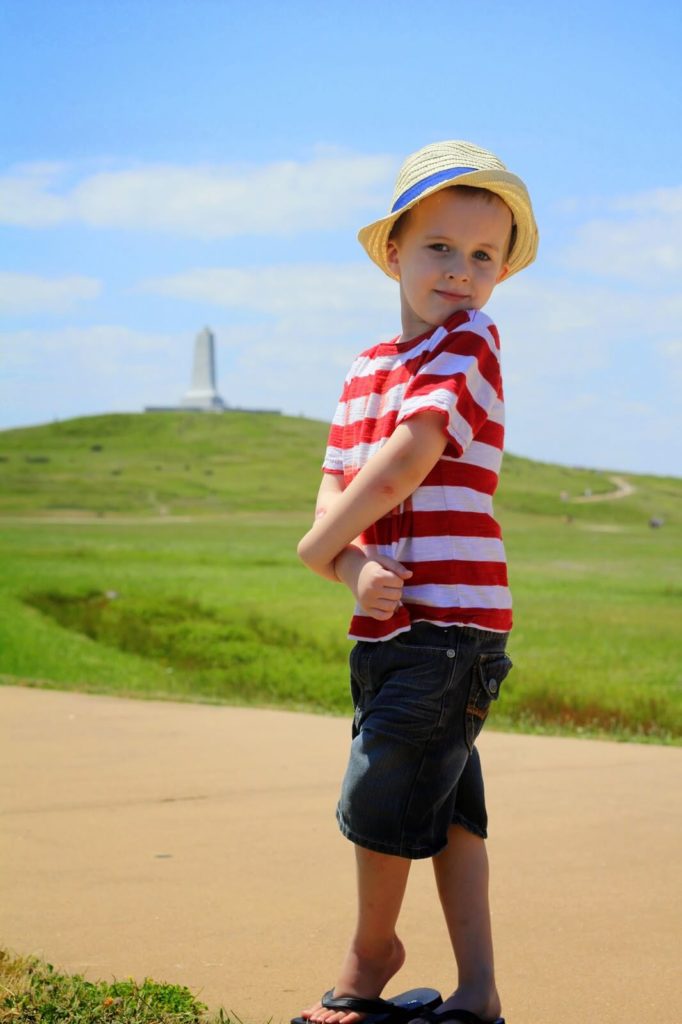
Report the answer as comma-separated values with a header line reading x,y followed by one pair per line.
x,y
161,464
154,555
186,464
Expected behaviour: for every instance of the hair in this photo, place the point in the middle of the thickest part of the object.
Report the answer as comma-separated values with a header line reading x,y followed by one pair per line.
x,y
471,190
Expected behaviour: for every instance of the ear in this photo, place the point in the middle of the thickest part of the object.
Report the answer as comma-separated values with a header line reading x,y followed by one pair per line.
x,y
503,273
393,258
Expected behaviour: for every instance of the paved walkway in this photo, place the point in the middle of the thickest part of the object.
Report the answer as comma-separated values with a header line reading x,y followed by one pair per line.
x,y
197,845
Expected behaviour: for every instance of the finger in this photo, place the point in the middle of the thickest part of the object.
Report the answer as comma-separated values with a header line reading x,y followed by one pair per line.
x,y
393,594
393,566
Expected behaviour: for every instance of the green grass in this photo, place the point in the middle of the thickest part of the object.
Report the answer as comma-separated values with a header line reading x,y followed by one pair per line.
x,y
161,464
129,568
33,992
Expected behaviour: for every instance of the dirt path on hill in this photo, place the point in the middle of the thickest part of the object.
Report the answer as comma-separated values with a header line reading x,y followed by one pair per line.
x,y
623,490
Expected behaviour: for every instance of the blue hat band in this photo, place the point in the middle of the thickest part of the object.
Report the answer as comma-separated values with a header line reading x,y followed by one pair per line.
x,y
414,191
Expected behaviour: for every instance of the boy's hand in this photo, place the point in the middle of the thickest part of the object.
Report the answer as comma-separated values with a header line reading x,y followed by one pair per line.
x,y
376,583
379,588
383,483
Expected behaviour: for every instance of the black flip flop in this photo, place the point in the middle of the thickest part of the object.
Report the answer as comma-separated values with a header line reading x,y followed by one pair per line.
x,y
398,1010
459,1017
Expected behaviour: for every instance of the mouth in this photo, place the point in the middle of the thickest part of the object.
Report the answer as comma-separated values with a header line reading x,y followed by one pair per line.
x,y
451,296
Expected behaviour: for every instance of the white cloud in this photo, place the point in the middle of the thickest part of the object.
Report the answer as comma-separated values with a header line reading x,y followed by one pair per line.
x,y
331,190
657,200
73,371
591,353
25,198
646,252
285,289
589,372
670,350
28,293
96,348
564,314
637,239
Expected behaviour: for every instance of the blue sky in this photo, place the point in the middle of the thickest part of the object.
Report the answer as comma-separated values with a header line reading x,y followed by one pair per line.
x,y
171,164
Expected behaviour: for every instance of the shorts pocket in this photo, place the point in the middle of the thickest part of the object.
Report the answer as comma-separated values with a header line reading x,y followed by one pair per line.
x,y
361,682
488,673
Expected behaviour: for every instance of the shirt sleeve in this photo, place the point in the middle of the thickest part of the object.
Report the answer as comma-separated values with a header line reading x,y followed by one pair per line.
x,y
460,378
333,457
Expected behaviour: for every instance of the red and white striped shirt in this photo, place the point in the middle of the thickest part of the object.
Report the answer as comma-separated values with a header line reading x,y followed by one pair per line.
x,y
445,532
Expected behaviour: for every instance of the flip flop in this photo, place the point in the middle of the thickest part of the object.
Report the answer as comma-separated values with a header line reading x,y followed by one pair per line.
x,y
398,1010
459,1017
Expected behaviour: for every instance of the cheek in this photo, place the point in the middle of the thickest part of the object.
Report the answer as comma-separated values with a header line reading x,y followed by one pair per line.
x,y
489,272
415,271
427,266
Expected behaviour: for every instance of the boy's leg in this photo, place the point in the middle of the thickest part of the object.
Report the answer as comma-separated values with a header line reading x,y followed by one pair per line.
x,y
376,953
461,871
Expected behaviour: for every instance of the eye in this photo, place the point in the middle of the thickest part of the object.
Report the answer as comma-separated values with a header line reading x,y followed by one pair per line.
x,y
481,255
439,247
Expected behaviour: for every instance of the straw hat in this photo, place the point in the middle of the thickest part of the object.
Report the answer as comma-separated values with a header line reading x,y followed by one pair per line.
x,y
441,165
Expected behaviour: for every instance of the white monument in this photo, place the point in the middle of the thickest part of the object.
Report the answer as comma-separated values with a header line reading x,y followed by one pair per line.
x,y
203,395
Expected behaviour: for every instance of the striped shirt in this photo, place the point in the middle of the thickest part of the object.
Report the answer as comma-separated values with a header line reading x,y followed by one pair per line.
x,y
445,532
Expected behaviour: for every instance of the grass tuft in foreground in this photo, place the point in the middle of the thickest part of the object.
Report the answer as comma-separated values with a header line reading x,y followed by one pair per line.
x,y
33,992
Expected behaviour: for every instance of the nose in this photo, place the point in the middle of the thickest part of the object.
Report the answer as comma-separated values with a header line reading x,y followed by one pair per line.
x,y
457,268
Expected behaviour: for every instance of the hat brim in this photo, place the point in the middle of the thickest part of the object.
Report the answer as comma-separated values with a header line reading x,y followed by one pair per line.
x,y
374,237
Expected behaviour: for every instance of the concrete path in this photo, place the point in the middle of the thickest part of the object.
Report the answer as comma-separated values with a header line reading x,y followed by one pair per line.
x,y
198,845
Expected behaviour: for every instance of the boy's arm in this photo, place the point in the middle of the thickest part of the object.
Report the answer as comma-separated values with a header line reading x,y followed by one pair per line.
x,y
390,476
375,583
331,488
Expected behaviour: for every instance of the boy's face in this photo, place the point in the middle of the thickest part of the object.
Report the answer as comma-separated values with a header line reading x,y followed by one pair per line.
x,y
449,256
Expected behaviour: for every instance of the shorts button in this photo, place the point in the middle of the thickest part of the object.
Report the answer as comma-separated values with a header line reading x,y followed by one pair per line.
x,y
492,685
450,653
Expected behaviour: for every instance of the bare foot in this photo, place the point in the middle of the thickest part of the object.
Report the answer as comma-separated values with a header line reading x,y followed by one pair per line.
x,y
364,973
485,1004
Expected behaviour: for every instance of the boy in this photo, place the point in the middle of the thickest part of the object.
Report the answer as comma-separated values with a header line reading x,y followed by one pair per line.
x,y
404,518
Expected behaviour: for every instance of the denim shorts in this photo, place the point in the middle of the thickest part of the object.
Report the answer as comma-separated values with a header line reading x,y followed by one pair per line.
x,y
420,702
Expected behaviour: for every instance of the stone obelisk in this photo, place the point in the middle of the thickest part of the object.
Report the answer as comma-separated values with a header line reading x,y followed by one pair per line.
x,y
203,394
